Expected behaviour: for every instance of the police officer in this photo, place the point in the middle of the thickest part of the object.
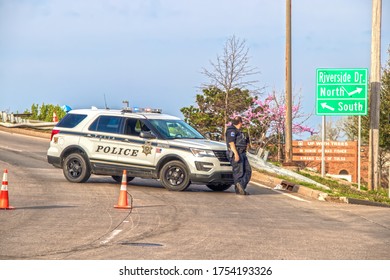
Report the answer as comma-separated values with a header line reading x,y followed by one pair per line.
x,y
237,144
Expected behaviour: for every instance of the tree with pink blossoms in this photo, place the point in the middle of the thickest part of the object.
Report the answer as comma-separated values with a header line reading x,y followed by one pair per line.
x,y
265,121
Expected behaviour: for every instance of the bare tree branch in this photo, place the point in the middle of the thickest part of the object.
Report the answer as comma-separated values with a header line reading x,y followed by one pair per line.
x,y
231,70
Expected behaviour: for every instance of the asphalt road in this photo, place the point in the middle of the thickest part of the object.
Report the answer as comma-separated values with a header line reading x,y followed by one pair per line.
x,y
55,219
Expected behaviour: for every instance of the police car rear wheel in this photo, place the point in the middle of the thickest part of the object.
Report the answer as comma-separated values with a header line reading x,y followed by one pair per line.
x,y
76,169
119,178
219,188
174,176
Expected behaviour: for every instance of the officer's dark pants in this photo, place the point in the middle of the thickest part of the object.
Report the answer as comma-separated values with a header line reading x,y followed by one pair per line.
x,y
242,170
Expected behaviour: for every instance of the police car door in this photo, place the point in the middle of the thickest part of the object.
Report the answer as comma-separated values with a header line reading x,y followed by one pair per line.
x,y
102,141
137,153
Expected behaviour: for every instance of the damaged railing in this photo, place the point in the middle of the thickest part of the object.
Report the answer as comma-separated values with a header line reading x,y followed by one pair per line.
x,y
20,120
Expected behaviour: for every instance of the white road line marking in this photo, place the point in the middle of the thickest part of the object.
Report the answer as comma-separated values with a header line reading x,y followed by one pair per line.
x,y
111,236
280,192
10,149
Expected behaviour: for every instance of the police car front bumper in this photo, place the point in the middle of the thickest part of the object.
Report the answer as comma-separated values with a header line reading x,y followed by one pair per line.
x,y
216,178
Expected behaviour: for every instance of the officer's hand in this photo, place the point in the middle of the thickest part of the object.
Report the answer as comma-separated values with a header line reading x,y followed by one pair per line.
x,y
236,157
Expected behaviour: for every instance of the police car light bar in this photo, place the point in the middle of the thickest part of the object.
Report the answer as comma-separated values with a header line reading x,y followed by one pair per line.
x,y
141,110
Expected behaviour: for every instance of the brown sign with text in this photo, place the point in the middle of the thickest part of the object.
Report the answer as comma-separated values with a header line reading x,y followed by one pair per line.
x,y
341,157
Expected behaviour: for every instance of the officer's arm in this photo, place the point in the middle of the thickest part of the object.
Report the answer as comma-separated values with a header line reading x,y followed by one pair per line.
x,y
232,146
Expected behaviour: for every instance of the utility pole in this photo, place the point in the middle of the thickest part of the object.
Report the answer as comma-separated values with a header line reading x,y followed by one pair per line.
x,y
375,87
288,120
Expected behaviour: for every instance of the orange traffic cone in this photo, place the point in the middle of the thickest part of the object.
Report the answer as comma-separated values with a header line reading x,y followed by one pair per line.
x,y
4,202
55,119
122,201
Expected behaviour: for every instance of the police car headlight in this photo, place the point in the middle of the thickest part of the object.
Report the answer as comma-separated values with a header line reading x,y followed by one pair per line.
x,y
202,153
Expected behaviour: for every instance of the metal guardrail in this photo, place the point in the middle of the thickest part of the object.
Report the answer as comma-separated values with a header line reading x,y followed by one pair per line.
x,y
259,163
19,120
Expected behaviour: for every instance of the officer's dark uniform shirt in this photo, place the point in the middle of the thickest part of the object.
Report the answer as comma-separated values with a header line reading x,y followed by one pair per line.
x,y
236,136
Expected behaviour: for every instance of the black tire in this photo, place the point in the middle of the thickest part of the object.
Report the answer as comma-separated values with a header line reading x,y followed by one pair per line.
x,y
220,187
76,168
175,176
119,178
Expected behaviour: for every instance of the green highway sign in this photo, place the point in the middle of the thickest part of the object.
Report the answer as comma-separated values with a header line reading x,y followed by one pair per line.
x,y
341,92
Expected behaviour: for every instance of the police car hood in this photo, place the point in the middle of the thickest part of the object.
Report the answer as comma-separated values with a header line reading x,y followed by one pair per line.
x,y
199,143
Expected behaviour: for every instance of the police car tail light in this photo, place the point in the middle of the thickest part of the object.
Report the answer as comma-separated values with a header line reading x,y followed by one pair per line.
x,y
202,153
54,132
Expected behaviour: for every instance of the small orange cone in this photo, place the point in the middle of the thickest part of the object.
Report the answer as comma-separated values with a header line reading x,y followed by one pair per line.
x,y
122,201
4,202
55,119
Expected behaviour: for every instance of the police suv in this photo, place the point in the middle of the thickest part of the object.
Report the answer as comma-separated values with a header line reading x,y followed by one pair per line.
x,y
145,143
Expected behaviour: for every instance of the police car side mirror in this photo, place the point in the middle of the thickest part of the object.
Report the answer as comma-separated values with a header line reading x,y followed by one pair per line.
x,y
207,135
147,134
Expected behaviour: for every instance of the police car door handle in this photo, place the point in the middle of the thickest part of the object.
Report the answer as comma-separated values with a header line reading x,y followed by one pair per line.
x,y
88,135
126,140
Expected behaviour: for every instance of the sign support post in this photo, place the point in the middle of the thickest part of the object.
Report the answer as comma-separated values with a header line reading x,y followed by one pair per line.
x,y
359,144
389,181
323,147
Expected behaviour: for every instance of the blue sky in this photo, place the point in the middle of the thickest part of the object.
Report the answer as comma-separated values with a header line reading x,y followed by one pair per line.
x,y
151,52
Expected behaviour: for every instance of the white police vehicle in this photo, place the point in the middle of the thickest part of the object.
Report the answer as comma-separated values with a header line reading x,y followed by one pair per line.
x,y
145,143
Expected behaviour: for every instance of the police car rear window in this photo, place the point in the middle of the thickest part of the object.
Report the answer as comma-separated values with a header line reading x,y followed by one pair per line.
x,y
110,124
71,120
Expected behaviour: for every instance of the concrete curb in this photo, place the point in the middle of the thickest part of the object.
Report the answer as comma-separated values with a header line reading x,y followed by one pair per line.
x,y
308,192
365,202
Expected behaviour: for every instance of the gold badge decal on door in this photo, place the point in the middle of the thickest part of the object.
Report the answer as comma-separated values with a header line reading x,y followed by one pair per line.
x,y
147,148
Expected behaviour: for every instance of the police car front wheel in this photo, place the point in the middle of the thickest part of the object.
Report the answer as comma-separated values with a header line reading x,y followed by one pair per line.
x,y
174,176
76,168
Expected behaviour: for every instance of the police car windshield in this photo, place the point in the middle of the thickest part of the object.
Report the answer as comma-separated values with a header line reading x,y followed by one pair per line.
x,y
175,129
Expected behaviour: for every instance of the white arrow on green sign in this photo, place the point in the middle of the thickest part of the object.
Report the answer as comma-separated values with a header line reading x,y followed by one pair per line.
x,y
341,92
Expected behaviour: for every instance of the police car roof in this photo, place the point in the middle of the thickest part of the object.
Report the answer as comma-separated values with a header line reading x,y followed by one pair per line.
x,y
113,112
